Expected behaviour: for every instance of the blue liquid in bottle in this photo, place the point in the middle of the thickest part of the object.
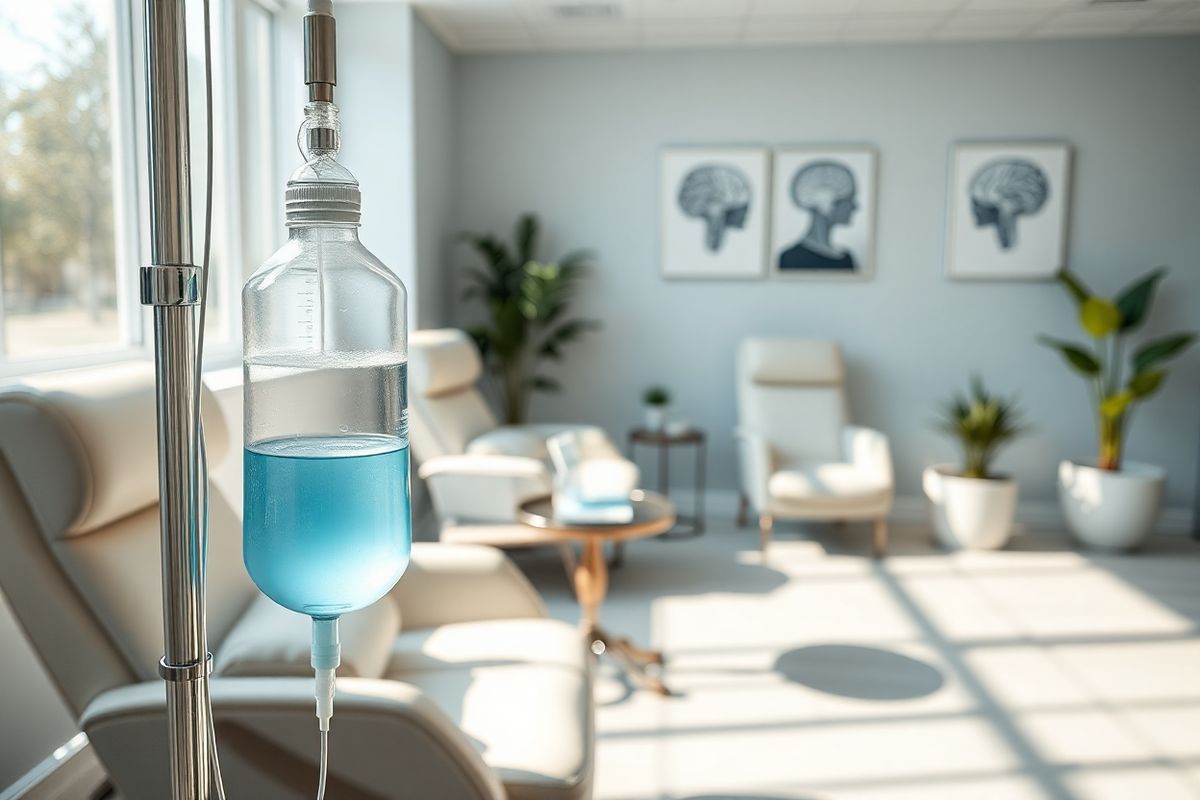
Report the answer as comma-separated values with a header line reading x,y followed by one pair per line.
x,y
327,528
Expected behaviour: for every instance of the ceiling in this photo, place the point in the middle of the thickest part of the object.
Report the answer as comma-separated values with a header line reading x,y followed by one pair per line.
x,y
482,26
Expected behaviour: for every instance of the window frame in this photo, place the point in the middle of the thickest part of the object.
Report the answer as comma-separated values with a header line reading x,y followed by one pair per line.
x,y
131,180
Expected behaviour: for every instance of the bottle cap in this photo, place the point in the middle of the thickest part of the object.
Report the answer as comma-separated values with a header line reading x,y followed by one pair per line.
x,y
322,191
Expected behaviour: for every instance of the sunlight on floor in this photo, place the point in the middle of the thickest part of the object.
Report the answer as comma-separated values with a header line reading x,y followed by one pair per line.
x,y
1037,672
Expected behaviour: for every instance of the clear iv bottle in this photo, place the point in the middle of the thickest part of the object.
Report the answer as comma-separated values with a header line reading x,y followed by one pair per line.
x,y
326,516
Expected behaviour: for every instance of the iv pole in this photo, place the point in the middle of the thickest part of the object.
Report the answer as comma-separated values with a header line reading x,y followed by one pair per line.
x,y
171,285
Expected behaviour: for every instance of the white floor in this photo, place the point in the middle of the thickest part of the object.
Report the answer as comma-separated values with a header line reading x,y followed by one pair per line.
x,y
1037,672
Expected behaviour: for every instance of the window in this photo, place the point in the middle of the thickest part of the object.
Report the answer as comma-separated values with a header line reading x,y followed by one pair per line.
x,y
73,177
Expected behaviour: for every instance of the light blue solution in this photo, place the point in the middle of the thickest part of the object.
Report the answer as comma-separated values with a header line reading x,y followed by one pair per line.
x,y
327,525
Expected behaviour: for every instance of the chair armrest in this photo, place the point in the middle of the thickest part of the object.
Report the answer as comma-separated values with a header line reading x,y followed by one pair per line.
x,y
756,463
869,451
387,740
448,583
473,488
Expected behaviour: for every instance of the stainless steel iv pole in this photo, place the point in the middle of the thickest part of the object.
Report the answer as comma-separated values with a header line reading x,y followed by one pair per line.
x,y
171,285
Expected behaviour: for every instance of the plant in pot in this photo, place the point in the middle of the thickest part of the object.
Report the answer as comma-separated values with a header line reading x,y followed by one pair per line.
x,y
527,304
1110,502
656,399
973,507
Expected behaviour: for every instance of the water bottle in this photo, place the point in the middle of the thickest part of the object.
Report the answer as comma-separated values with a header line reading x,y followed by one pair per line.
x,y
327,525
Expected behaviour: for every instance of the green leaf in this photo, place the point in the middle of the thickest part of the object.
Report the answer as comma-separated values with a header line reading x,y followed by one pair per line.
x,y
1146,383
1134,301
1099,317
1115,405
1073,285
1076,356
543,384
1158,350
526,237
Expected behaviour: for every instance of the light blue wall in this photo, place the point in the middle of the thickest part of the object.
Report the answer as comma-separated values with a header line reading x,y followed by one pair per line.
x,y
433,146
575,138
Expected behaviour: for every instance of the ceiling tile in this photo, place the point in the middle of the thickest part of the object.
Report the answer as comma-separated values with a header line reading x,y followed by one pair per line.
x,y
909,23
792,8
790,27
1012,5
1096,19
905,6
693,9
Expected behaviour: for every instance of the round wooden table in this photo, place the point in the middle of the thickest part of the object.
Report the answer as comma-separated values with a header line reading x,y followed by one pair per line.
x,y
653,514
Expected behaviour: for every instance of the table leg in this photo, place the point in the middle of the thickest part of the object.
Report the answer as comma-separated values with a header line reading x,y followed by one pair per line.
x,y
698,521
591,587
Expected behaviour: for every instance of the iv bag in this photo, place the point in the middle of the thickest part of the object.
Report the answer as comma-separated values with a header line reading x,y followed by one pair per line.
x,y
326,509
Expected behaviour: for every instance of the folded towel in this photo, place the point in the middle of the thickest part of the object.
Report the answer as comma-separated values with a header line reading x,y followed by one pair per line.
x,y
571,510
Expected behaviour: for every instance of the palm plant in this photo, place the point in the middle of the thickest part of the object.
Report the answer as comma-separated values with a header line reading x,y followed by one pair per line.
x,y
982,423
527,303
1108,323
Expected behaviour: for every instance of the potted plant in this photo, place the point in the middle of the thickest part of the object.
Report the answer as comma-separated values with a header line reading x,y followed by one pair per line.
x,y
1109,502
656,399
527,304
973,507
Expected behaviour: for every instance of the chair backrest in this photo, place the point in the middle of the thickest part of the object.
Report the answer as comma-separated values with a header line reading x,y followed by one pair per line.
x,y
446,410
791,392
79,527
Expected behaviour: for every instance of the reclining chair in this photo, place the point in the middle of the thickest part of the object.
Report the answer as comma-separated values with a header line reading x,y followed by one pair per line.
x,y
455,685
477,471
799,458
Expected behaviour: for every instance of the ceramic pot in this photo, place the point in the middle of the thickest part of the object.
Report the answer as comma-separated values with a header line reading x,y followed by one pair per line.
x,y
1111,510
656,417
970,513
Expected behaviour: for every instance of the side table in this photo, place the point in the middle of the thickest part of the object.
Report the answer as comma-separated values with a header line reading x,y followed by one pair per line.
x,y
693,524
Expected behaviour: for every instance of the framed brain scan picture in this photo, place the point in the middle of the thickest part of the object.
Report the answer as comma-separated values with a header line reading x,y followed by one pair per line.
x,y
823,212
713,212
1008,209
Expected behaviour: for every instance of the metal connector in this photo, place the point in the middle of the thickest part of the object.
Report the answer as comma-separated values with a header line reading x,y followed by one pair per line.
x,y
320,56
170,285
178,673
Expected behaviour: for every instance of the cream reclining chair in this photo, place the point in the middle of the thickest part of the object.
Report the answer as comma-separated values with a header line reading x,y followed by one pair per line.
x,y
799,458
456,685
477,470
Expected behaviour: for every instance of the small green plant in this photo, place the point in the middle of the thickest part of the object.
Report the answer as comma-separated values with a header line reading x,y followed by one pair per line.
x,y
1108,323
527,302
656,396
982,423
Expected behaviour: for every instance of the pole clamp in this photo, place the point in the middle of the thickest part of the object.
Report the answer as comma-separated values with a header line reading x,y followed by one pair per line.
x,y
170,285
179,673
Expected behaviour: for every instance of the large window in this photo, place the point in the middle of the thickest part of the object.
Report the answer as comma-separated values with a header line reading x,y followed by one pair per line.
x,y
73,179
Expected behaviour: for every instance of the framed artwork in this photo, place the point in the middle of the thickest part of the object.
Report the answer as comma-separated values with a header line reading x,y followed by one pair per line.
x,y
823,212
1008,210
713,211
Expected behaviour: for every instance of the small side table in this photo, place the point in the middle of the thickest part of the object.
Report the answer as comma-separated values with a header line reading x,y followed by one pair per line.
x,y
693,525
652,514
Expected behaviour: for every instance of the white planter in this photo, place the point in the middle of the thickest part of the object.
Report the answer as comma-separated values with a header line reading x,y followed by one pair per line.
x,y
970,513
1111,510
656,417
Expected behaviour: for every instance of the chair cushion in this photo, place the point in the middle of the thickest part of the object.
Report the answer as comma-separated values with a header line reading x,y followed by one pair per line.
x,y
827,487
519,689
791,362
271,641
530,441
442,362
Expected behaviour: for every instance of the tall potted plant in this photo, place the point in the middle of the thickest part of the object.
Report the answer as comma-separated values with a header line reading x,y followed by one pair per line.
x,y
972,506
1111,502
527,303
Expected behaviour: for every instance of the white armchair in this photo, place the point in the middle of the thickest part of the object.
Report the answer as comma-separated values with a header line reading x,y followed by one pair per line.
x,y
455,685
477,471
799,458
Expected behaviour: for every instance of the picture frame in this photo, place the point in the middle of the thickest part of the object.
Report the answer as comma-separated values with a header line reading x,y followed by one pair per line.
x,y
1008,208
823,214
713,212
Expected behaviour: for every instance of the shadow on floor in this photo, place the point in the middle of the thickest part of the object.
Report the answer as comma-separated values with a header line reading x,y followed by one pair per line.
x,y
864,673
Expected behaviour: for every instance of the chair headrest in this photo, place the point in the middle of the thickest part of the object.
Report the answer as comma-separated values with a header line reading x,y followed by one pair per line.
x,y
86,445
442,361
791,362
